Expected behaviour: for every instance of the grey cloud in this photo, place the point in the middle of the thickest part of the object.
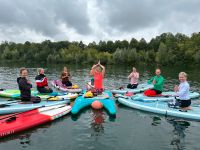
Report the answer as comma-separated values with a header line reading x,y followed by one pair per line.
x,y
96,19
128,15
74,14
44,16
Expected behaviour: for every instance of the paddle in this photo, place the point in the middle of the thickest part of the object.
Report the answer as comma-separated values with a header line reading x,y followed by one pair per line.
x,y
13,117
6,104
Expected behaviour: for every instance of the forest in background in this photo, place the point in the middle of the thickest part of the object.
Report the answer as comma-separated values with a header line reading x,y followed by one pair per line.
x,y
165,49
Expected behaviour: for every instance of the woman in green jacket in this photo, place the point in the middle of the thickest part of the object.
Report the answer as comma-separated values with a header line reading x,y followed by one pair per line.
x,y
157,81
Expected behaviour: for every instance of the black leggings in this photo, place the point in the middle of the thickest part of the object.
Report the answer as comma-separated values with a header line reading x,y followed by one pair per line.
x,y
184,103
44,90
132,86
157,91
31,99
68,83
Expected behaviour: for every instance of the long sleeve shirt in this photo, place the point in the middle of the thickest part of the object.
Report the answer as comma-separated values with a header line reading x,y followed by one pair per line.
x,y
134,77
159,82
183,91
24,87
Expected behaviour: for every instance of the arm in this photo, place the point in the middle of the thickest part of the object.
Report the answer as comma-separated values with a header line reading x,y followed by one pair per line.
x,y
93,67
150,80
104,70
62,76
25,85
41,82
130,75
137,75
182,90
160,81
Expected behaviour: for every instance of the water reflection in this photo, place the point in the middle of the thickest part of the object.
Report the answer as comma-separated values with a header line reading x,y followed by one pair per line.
x,y
25,137
178,138
97,122
25,140
156,120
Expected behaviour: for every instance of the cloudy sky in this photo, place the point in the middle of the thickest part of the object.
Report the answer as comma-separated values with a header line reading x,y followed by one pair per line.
x,y
94,20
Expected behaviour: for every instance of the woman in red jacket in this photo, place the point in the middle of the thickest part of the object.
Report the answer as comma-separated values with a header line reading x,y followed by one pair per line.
x,y
42,82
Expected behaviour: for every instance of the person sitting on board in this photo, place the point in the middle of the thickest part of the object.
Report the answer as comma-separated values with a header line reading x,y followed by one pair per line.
x,y
42,82
90,85
65,75
98,74
25,87
134,76
182,91
158,82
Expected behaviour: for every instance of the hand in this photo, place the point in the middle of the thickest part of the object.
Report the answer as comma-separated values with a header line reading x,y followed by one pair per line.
x,y
29,82
176,88
154,82
99,62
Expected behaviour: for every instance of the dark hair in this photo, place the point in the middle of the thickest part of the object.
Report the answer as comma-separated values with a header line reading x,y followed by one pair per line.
x,y
22,69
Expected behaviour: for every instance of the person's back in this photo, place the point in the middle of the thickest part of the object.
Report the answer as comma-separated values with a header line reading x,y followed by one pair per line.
x,y
98,71
98,80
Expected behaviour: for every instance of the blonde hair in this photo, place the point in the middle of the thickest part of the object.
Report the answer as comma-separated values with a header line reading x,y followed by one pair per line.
x,y
183,74
65,68
39,70
134,69
158,69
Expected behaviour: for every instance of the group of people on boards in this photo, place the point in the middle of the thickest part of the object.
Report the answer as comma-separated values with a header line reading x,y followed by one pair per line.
x,y
182,91
25,85
96,85
41,81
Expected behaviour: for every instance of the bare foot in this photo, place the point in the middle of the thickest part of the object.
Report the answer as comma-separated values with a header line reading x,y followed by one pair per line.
x,y
187,108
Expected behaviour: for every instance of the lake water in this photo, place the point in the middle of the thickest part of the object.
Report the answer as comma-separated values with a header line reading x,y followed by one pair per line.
x,y
131,129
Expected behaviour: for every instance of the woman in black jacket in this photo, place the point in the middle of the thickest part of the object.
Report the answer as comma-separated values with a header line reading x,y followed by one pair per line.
x,y
25,86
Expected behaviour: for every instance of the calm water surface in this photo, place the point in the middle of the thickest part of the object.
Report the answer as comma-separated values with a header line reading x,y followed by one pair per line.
x,y
131,129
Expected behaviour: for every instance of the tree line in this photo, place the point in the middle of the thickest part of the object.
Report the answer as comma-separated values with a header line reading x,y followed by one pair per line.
x,y
165,49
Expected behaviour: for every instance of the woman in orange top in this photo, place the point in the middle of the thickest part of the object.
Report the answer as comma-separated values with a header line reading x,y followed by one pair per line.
x,y
98,73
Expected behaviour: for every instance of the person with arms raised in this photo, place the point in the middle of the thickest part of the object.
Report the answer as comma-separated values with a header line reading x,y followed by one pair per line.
x,y
98,74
